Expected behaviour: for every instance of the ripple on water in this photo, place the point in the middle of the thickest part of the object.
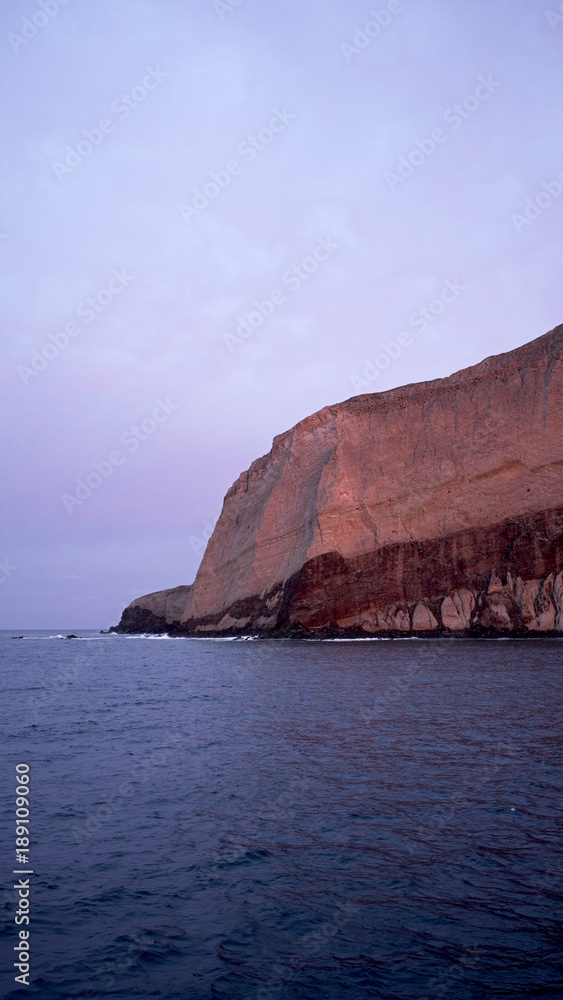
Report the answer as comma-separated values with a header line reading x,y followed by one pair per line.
x,y
279,820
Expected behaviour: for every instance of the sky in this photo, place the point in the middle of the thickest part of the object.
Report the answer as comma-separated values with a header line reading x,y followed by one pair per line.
x,y
219,216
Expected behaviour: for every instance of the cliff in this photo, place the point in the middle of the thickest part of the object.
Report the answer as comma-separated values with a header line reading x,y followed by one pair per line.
x,y
432,507
156,612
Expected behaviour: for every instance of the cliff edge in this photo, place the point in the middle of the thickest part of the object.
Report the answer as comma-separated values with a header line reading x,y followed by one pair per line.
x,y
154,613
433,507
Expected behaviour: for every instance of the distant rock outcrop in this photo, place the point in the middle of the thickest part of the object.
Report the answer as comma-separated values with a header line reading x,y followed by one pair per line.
x,y
154,613
431,508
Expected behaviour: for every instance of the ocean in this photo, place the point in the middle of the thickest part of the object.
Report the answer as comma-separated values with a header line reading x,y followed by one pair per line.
x,y
273,820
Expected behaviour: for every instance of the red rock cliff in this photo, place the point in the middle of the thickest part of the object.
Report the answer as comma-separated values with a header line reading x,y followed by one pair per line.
x,y
437,505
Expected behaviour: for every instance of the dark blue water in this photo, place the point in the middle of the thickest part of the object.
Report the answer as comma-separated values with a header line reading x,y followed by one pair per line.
x,y
280,820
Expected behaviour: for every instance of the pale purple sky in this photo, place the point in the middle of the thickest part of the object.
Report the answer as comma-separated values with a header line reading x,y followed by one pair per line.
x,y
180,89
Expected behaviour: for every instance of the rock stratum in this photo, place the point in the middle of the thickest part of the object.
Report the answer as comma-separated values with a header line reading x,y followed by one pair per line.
x,y
434,508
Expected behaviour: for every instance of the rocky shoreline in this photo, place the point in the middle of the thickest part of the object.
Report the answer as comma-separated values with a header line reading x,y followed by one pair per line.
x,y
435,509
514,608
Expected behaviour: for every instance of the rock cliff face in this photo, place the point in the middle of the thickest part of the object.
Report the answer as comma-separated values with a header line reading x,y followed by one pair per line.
x,y
156,612
434,507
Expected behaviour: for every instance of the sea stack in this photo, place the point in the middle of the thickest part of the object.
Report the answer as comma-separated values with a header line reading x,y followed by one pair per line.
x,y
433,508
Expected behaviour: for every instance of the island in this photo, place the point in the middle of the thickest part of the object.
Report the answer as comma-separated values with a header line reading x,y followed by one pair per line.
x,y
433,509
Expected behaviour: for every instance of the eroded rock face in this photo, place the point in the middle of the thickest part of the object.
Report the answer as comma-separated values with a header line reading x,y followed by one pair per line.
x,y
432,507
456,610
158,612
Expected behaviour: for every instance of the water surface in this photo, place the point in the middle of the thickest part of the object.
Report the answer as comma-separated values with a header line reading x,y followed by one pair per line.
x,y
280,820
